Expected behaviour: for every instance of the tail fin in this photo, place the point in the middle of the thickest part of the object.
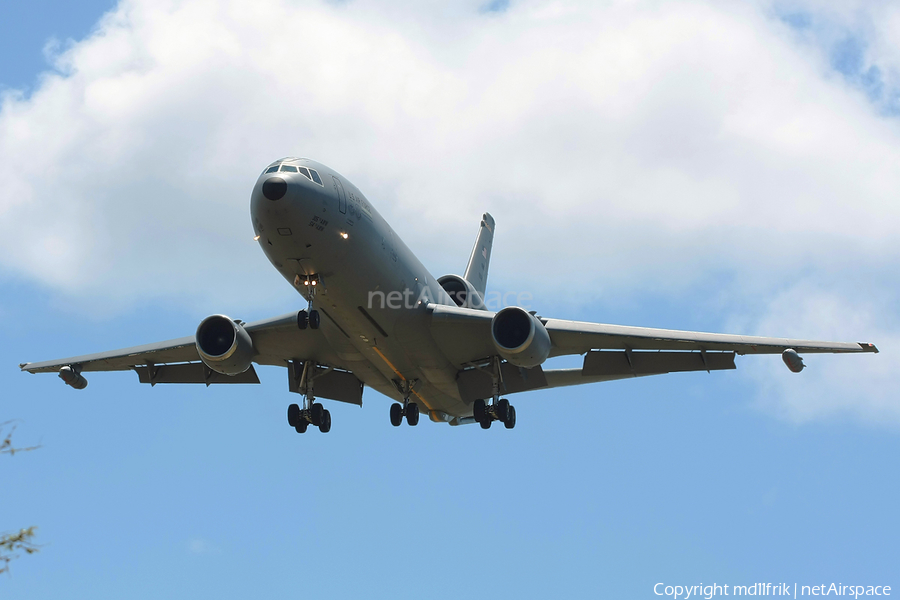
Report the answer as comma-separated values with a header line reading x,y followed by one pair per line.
x,y
480,260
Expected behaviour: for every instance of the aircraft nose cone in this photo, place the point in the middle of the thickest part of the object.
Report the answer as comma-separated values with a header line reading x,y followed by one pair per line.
x,y
274,188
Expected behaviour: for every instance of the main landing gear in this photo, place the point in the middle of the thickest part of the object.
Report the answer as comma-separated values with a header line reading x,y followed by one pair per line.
x,y
499,409
408,409
310,317
301,418
312,413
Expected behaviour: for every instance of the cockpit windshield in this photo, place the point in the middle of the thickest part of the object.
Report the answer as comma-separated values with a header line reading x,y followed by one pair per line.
x,y
311,174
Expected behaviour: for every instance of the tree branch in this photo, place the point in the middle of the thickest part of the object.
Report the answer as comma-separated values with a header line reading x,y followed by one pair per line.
x,y
6,446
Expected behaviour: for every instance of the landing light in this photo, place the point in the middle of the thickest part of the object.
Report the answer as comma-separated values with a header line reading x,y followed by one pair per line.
x,y
256,238
344,235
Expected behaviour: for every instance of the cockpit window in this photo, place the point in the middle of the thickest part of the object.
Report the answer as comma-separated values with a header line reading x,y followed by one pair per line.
x,y
304,171
289,168
272,169
315,176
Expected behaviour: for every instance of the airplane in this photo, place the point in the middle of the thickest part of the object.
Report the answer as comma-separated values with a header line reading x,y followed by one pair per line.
x,y
376,317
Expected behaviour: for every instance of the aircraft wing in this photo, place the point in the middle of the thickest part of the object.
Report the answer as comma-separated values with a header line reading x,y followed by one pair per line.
x,y
465,336
276,340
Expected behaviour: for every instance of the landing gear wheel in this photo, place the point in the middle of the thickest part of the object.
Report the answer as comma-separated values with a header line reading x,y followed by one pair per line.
x,y
316,412
302,319
293,415
478,410
314,319
396,414
301,426
486,423
412,414
325,422
510,421
502,409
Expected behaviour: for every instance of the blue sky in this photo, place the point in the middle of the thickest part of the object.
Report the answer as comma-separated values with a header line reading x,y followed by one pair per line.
x,y
664,201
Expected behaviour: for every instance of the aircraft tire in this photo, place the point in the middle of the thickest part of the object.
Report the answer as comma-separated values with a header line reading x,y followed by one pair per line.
x,y
293,415
314,319
478,410
315,414
502,409
325,424
412,414
510,421
301,426
396,414
486,423
302,319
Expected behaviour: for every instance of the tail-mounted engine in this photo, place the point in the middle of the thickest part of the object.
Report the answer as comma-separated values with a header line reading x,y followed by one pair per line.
x,y
224,345
462,292
520,337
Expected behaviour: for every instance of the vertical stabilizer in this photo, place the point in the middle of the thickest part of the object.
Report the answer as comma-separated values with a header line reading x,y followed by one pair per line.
x,y
480,260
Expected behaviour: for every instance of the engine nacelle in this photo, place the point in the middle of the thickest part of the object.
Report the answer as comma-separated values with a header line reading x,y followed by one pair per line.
x,y
793,360
224,345
520,337
71,376
461,292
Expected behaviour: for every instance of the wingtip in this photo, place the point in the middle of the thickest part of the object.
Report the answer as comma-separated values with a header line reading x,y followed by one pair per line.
x,y
867,347
23,365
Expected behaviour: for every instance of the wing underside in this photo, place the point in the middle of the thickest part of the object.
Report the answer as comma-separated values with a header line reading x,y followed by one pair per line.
x,y
610,351
277,341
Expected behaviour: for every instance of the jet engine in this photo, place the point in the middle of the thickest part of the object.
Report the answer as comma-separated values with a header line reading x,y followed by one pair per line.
x,y
520,337
461,292
224,345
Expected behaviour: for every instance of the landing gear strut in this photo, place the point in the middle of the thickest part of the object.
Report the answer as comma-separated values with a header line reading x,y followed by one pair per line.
x,y
311,413
408,409
499,409
310,317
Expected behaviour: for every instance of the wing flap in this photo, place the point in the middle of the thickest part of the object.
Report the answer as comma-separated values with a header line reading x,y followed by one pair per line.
x,y
611,363
475,384
191,373
334,384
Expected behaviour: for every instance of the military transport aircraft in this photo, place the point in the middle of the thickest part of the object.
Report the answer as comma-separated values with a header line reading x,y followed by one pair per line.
x,y
376,317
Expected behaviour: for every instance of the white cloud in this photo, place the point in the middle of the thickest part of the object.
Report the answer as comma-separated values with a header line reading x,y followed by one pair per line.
x,y
201,546
672,140
860,386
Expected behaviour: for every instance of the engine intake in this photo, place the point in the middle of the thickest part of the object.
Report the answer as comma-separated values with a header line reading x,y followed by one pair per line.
x,y
520,337
224,345
462,292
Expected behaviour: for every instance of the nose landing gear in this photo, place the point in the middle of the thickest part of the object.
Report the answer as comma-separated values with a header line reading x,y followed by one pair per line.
x,y
310,317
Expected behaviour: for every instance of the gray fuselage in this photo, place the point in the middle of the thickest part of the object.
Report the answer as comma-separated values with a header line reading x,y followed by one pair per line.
x,y
370,286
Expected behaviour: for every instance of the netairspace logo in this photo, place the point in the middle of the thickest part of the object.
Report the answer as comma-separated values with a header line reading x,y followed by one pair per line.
x,y
409,299
769,589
